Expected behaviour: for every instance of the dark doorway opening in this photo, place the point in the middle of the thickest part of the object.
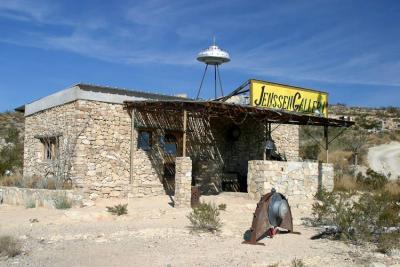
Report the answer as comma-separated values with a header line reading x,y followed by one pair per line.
x,y
172,148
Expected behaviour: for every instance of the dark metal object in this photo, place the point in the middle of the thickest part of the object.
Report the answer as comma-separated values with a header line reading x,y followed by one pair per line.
x,y
195,199
272,211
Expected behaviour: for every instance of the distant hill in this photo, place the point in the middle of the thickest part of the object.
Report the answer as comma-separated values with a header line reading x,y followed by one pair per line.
x,y
385,118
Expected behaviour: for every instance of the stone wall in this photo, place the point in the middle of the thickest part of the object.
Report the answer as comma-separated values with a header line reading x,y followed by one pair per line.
x,y
183,182
99,135
102,162
289,178
41,197
286,139
50,122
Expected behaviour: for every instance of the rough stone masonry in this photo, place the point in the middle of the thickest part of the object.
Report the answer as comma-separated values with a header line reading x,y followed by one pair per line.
x,y
301,179
183,182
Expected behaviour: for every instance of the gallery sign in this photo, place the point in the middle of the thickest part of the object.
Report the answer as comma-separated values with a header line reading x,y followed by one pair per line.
x,y
279,96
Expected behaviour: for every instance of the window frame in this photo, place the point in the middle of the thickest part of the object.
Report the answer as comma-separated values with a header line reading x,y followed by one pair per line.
x,y
149,143
50,148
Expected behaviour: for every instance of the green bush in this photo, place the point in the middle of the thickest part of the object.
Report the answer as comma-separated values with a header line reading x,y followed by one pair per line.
x,y
11,156
365,217
118,209
205,217
334,209
62,202
30,204
298,263
222,206
9,246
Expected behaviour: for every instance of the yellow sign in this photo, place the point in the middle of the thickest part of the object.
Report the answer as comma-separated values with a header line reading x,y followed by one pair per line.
x,y
280,96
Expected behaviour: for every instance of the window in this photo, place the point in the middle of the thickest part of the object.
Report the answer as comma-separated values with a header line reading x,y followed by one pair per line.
x,y
50,148
144,140
170,144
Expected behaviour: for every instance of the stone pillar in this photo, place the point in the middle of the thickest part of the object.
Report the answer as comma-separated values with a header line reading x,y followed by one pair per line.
x,y
183,182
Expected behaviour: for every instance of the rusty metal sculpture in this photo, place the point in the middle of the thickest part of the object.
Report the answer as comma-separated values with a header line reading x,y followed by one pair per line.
x,y
272,213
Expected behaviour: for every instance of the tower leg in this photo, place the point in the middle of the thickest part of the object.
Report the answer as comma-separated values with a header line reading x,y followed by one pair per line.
x,y
215,81
220,83
202,80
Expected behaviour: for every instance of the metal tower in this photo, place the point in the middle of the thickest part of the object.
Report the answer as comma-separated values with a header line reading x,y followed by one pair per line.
x,y
213,56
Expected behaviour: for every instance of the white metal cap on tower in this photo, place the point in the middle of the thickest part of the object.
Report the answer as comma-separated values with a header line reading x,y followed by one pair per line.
x,y
213,55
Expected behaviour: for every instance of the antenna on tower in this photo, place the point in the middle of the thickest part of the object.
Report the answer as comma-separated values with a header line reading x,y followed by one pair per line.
x,y
214,56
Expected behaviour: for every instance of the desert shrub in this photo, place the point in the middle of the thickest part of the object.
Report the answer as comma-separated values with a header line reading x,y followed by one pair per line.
x,y
222,206
30,203
62,202
9,246
388,242
324,207
118,209
366,217
334,208
11,155
205,217
298,263
372,180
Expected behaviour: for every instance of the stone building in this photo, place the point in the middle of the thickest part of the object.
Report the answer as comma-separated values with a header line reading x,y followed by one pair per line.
x,y
110,142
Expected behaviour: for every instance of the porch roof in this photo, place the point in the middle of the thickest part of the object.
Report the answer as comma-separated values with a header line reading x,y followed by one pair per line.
x,y
235,111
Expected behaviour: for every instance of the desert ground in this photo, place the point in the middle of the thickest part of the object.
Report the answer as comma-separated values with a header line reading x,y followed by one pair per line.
x,y
386,159
153,233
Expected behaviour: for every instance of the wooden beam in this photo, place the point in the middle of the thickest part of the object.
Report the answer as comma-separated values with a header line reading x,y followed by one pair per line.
x,y
184,133
132,148
326,143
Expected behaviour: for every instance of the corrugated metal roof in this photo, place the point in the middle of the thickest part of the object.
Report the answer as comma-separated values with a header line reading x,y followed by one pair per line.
x,y
127,92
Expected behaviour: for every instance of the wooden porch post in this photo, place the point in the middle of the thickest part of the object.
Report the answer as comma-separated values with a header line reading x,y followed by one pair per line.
x,y
132,144
184,133
326,143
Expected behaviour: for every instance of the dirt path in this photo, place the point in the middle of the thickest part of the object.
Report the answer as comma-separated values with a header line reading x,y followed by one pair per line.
x,y
385,159
155,234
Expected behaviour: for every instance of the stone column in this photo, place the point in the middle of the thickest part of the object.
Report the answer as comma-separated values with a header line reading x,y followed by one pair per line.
x,y
183,182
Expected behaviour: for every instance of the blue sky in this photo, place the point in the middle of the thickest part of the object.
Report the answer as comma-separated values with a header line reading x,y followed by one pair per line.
x,y
349,48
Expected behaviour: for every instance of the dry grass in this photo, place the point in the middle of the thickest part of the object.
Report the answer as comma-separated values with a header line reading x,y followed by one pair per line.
x,y
34,181
393,188
346,183
12,180
9,246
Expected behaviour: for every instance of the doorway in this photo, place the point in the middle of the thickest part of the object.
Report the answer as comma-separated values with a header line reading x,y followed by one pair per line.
x,y
172,148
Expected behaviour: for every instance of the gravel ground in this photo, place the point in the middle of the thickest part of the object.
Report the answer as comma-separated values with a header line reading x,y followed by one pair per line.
x,y
385,159
155,234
